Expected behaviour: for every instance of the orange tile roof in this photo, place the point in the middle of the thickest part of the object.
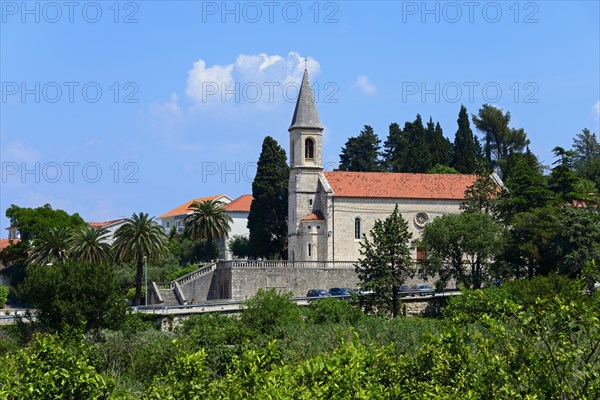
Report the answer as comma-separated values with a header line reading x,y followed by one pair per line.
x,y
316,216
7,242
104,223
242,204
399,185
185,207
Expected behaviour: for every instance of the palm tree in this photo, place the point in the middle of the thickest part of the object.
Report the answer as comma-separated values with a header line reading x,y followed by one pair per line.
x,y
208,221
140,237
50,247
89,244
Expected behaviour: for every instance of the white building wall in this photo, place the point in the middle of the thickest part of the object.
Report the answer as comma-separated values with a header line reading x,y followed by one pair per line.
x,y
239,227
346,247
111,231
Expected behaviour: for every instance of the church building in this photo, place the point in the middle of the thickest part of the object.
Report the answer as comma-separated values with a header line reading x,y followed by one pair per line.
x,y
329,212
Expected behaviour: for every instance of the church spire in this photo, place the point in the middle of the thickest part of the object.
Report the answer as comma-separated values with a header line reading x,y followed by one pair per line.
x,y
305,114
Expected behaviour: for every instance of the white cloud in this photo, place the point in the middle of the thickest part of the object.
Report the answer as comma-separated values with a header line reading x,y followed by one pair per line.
x,y
19,152
250,79
596,111
362,81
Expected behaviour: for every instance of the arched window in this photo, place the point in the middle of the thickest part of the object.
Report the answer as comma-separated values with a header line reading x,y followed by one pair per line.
x,y
309,149
292,153
309,250
356,228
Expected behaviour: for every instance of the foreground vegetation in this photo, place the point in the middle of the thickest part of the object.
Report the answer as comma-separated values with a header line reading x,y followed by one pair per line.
x,y
536,339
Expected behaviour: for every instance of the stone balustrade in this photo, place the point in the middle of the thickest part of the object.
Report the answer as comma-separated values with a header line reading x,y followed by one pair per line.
x,y
286,264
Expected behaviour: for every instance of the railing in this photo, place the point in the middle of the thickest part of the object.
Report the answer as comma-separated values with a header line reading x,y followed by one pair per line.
x,y
233,306
286,264
156,292
179,294
185,278
195,274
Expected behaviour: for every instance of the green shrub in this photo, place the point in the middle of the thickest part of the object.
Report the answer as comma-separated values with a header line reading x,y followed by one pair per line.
x,y
332,310
180,271
74,294
133,361
222,337
52,368
536,293
4,292
268,311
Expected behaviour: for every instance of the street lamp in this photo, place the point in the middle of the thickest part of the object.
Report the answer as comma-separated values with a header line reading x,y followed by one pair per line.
x,y
146,280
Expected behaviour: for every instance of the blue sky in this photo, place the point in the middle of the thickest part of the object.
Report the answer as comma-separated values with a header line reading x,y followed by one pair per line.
x,y
110,108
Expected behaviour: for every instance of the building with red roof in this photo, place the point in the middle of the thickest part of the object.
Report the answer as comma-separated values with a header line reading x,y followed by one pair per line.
x,y
330,211
238,209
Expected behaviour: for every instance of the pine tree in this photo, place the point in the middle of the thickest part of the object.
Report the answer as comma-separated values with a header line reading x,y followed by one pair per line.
x,y
361,153
267,220
587,157
501,142
463,159
562,178
386,263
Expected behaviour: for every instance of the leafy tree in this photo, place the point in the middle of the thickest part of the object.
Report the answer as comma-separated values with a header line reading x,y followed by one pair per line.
x,y
240,246
53,367
527,188
187,251
500,141
577,239
464,157
530,242
50,247
33,222
267,220
208,221
482,195
89,244
139,238
73,294
385,264
461,247
361,153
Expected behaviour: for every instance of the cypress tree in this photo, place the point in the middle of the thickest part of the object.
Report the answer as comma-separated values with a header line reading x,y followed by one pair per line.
x,y
267,220
418,157
463,159
395,148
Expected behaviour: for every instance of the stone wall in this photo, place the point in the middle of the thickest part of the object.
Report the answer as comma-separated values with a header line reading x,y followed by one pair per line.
x,y
239,280
247,281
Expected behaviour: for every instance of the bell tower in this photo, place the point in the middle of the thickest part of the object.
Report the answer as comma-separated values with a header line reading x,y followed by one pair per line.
x,y
306,165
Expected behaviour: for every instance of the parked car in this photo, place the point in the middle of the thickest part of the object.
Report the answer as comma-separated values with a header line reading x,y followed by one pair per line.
x,y
318,293
406,290
424,290
341,292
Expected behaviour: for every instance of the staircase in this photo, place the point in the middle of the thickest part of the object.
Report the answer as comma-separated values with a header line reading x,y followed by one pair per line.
x,y
172,293
168,296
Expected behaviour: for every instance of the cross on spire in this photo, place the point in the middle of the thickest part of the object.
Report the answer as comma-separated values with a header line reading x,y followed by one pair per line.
x,y
305,63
